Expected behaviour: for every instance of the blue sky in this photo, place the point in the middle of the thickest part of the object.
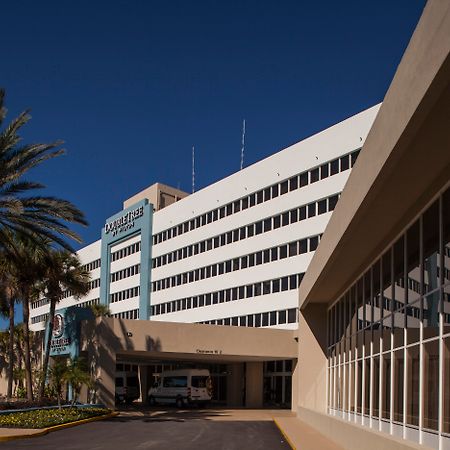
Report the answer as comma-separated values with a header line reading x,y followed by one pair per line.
x,y
130,86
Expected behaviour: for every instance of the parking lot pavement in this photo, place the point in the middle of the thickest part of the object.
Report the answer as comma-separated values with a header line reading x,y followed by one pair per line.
x,y
161,430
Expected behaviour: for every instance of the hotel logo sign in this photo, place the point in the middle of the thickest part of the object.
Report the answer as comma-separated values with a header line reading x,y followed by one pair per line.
x,y
124,222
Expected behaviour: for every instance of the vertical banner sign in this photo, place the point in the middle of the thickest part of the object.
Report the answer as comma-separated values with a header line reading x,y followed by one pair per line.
x,y
133,221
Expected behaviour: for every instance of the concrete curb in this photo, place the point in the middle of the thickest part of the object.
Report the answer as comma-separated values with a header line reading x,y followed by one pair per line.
x,y
44,431
283,433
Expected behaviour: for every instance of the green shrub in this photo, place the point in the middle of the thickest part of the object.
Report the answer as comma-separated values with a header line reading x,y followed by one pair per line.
x,y
42,418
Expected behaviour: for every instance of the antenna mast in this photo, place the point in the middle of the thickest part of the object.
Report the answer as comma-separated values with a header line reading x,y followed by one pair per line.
x,y
243,144
193,169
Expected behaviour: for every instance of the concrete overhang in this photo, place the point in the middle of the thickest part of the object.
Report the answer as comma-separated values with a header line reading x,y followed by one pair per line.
x,y
404,161
143,340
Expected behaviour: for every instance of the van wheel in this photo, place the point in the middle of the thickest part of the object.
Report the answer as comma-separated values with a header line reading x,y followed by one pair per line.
x,y
179,402
152,401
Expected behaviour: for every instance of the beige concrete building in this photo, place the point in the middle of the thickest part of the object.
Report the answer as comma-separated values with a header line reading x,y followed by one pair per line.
x,y
374,349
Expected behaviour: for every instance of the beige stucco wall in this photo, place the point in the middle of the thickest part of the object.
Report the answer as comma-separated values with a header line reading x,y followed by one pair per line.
x,y
153,194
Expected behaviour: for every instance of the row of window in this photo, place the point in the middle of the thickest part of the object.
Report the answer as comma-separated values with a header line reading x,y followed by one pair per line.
x,y
92,285
265,319
41,302
126,251
94,301
92,265
133,314
40,318
274,286
263,226
125,273
125,294
297,181
243,262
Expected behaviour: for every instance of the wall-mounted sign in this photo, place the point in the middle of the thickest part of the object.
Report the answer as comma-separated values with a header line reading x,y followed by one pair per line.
x,y
124,222
208,352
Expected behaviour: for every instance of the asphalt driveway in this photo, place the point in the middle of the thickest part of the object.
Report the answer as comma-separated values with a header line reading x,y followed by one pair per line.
x,y
163,430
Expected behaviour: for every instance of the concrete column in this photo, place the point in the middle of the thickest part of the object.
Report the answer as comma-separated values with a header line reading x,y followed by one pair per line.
x,y
235,384
312,357
254,384
295,382
105,383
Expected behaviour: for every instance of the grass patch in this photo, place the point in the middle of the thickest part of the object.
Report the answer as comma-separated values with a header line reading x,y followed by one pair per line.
x,y
43,418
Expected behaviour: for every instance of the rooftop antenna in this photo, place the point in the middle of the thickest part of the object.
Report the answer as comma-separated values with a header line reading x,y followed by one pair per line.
x,y
193,169
243,144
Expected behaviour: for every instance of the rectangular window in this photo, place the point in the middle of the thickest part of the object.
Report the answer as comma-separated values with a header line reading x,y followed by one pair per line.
x,y
283,251
294,215
334,167
276,285
244,203
258,227
282,317
324,171
292,315
266,256
285,283
267,194
258,258
274,254
293,248
235,264
266,287
229,208
237,206
275,190
322,206
313,243
285,218
250,230
311,210
314,175
284,187
303,179
332,201
252,199
259,197
345,163
276,222
354,157
244,262
293,183
267,224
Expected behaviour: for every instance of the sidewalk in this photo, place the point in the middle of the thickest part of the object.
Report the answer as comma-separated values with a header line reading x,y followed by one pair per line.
x,y
302,436
8,434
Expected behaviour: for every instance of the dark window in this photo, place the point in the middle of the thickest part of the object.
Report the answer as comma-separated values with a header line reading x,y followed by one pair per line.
x,y
252,198
276,222
285,283
302,213
244,203
267,194
250,230
234,321
242,233
251,260
257,290
324,171
237,206
250,320
284,187
257,320
283,251
303,244
294,215
314,175
244,262
334,167
322,206
258,227
293,183
313,243
276,285
345,163
354,157
229,237
209,244
249,290
209,216
229,209
241,292
303,179
234,293
311,210
274,253
259,197
259,258
265,319
282,316
221,268
266,287
235,264
273,318
266,256
293,249
222,212
293,282
216,242
223,240
292,315
235,235
275,190
267,224
285,217
332,202
228,266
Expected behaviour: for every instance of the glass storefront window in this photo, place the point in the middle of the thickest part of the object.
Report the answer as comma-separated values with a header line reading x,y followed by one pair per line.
x,y
412,385
431,384
376,387
398,382
386,387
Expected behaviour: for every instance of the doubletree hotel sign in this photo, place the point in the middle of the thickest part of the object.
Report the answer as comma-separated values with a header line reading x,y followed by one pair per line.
x,y
65,338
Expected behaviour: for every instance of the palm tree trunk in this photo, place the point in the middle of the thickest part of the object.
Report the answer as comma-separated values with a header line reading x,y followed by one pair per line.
x,y
26,339
11,349
51,318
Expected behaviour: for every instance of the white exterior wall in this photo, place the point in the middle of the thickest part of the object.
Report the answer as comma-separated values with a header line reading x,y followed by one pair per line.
x,y
327,145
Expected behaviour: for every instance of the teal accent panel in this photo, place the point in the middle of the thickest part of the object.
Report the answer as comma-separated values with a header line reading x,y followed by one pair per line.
x,y
67,329
132,221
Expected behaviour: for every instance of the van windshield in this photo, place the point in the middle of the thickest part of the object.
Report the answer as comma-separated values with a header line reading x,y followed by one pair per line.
x,y
199,381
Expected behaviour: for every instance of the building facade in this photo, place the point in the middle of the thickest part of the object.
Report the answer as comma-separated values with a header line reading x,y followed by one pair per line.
x,y
233,253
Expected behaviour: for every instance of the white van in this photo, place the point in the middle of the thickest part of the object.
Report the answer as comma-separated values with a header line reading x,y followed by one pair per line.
x,y
182,387
127,387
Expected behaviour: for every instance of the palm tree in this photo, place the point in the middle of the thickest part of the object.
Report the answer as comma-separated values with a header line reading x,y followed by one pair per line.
x,y
62,272
19,211
77,375
100,310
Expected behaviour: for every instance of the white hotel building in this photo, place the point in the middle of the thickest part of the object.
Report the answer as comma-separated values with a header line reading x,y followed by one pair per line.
x,y
233,253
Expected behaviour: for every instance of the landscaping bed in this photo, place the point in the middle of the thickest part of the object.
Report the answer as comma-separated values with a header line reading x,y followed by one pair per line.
x,y
43,418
